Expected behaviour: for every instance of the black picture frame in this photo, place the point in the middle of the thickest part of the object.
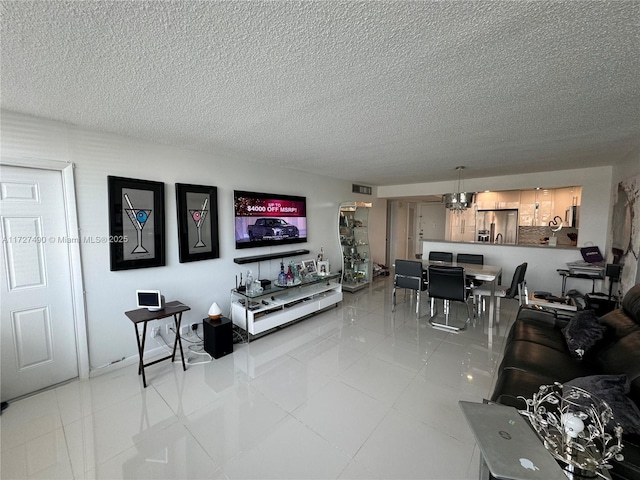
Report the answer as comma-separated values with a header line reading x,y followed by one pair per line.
x,y
136,223
197,208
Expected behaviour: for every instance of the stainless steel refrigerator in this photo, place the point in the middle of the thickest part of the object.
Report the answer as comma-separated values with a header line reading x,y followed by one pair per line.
x,y
498,226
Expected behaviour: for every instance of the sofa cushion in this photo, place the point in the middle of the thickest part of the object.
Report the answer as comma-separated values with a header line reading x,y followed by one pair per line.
x,y
631,303
513,386
540,315
618,324
634,393
583,332
613,390
545,361
623,357
535,332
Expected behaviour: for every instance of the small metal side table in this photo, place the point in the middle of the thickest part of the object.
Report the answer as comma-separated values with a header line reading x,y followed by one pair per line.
x,y
593,277
144,316
568,306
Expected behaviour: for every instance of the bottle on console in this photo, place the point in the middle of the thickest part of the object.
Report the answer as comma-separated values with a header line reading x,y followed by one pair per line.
x,y
282,277
289,276
296,273
249,282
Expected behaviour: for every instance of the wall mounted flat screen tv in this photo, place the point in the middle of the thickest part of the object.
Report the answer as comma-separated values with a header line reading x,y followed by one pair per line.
x,y
265,219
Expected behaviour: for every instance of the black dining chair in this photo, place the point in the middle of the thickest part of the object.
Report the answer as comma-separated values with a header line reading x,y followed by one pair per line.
x,y
449,285
472,258
517,288
409,275
441,256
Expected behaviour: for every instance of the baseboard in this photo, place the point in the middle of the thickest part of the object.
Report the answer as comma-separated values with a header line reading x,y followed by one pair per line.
x,y
125,362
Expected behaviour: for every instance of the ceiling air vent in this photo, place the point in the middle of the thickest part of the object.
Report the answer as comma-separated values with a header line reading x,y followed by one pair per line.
x,y
361,189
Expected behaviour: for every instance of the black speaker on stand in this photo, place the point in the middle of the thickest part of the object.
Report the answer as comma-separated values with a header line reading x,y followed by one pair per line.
x,y
602,303
613,272
218,336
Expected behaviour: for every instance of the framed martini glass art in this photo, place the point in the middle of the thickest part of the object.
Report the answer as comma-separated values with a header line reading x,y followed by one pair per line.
x,y
136,223
197,222
138,217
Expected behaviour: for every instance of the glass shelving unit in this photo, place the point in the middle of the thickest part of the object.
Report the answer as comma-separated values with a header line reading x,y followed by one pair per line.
x,y
354,239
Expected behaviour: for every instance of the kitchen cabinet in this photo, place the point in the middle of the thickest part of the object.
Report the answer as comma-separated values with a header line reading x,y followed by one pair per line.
x,y
527,215
498,200
463,225
508,200
486,200
538,207
565,198
545,201
529,208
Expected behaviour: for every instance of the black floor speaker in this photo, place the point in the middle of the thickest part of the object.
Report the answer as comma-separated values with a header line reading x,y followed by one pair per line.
x,y
218,336
600,303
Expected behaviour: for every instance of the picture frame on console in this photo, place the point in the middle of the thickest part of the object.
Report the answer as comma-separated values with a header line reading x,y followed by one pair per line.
x,y
136,223
323,268
197,209
310,266
302,271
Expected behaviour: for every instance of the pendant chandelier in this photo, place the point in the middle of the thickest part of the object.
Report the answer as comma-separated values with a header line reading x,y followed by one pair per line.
x,y
458,202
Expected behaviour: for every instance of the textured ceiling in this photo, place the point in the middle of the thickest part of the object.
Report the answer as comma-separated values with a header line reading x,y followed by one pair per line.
x,y
378,93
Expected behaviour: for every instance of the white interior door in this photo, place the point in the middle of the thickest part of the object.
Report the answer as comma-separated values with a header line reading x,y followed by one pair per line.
x,y
38,335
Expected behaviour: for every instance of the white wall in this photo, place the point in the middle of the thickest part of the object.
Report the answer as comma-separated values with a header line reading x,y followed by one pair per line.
x,y
596,194
541,274
378,230
598,184
627,169
109,294
198,284
542,263
398,244
433,220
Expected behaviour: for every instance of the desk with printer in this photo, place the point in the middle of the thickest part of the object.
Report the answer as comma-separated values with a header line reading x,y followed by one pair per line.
x,y
591,267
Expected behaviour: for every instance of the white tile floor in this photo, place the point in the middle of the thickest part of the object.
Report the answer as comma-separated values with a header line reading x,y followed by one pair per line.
x,y
354,392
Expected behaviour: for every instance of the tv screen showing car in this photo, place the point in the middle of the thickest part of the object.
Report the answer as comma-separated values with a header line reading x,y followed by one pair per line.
x,y
264,219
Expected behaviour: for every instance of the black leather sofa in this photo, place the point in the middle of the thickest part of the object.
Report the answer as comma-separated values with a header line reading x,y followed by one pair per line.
x,y
536,353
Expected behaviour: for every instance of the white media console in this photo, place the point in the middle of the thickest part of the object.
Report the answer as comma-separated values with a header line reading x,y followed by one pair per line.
x,y
276,306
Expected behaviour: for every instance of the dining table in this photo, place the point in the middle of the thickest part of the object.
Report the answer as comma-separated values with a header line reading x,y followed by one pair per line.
x,y
489,274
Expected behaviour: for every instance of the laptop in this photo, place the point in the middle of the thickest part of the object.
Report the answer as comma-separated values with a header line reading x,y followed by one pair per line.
x,y
509,446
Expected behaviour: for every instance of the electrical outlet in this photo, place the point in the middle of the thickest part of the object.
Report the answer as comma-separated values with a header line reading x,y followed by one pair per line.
x,y
168,327
184,330
194,327
155,331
